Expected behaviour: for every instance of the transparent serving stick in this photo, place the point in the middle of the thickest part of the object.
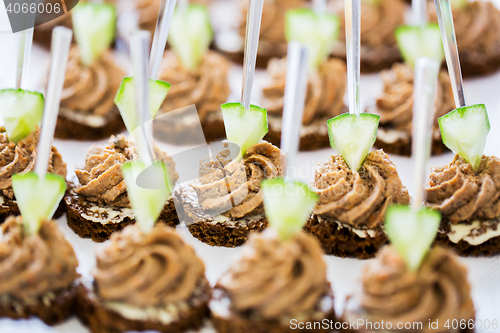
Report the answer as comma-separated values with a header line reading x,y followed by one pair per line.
x,y
445,19
424,94
319,6
24,53
251,45
353,45
139,43
183,5
419,12
165,14
61,43
294,100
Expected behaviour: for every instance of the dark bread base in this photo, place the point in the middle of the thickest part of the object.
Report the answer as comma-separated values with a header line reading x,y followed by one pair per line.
x,y
220,235
342,242
353,311
99,232
214,130
243,325
68,129
311,141
368,66
376,65
60,309
474,65
313,136
236,323
403,148
173,133
9,207
99,319
238,58
487,249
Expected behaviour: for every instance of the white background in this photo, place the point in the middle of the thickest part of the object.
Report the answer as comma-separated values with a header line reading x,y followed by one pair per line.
x,y
484,273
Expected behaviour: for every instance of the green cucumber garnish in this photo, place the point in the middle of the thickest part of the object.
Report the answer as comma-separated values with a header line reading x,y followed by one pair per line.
x,y
411,233
244,127
464,132
371,2
317,32
288,205
37,198
416,42
191,34
458,4
125,100
94,25
146,202
22,112
353,136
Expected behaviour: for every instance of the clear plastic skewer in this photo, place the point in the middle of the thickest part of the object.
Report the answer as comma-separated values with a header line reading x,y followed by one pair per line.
x,y
61,43
251,45
139,43
445,19
295,95
353,45
319,6
24,52
424,96
419,12
160,37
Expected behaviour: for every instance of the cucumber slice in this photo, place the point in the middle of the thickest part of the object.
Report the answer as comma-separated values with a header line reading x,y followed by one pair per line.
x,y
458,4
317,32
371,2
94,25
37,198
244,127
191,34
288,205
416,42
146,202
412,234
22,112
353,136
125,100
464,132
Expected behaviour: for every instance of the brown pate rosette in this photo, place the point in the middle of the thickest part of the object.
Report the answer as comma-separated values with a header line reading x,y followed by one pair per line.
x,y
206,88
98,203
20,158
146,281
225,203
438,291
274,282
37,272
379,20
469,202
348,218
324,100
87,110
272,41
477,28
395,108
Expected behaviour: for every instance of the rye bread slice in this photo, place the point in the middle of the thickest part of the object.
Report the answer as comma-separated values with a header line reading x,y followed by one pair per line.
x,y
60,308
227,321
343,242
79,221
100,319
69,129
487,249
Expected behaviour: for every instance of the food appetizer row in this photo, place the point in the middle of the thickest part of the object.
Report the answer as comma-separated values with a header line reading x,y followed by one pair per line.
x,y
147,277
225,204
199,76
